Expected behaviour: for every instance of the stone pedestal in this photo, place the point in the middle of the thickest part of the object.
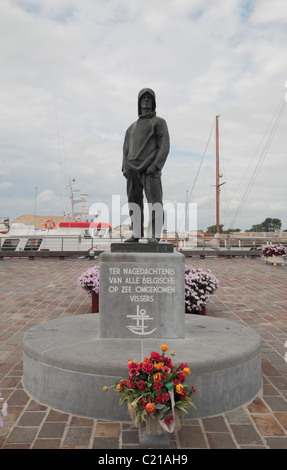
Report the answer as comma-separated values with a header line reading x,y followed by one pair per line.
x,y
66,362
154,441
142,295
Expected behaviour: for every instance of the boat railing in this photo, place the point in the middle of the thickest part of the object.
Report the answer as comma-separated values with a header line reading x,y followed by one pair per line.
x,y
50,243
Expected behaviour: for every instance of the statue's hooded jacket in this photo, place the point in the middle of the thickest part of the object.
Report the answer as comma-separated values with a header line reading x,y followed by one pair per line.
x,y
146,140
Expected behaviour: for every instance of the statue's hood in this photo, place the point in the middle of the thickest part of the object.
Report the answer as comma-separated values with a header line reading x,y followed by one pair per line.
x,y
141,93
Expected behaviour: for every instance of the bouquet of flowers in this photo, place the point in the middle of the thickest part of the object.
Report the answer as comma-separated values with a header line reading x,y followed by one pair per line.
x,y
155,388
3,409
89,280
199,285
276,250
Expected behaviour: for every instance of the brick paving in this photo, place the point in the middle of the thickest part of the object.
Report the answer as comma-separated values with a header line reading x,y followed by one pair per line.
x,y
35,291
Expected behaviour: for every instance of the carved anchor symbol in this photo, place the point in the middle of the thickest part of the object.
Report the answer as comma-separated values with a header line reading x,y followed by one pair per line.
x,y
140,317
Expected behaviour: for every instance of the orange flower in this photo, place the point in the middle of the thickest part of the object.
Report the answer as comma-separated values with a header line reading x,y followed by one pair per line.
x,y
159,365
172,352
146,359
187,370
157,377
179,389
164,347
105,388
150,408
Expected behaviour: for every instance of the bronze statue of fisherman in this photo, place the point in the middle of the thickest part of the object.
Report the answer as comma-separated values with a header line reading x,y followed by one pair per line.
x,y
145,150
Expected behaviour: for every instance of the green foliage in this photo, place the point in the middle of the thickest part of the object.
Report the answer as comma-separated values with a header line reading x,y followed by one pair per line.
x,y
212,229
268,225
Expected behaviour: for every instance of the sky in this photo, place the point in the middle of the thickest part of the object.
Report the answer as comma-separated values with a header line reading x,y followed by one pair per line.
x,y
70,75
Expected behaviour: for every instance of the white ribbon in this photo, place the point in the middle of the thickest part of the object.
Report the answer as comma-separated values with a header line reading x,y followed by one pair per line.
x,y
169,427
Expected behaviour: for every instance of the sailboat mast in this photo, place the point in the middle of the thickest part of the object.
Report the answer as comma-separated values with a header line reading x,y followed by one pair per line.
x,y
217,177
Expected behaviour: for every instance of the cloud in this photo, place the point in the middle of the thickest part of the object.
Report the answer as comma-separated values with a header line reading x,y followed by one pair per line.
x,y
265,12
5,185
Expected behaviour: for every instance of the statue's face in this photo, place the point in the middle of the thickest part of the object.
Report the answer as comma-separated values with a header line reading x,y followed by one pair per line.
x,y
146,102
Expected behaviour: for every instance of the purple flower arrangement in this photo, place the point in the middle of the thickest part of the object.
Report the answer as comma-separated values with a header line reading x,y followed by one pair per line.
x,y
274,250
89,280
199,285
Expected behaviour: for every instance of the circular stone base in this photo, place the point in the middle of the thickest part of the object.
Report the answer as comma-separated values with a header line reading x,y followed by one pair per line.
x,y
66,364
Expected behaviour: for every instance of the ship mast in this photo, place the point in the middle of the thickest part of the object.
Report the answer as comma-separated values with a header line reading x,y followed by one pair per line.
x,y
218,176
82,199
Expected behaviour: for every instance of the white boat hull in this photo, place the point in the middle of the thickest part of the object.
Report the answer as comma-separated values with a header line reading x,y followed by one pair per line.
x,y
77,237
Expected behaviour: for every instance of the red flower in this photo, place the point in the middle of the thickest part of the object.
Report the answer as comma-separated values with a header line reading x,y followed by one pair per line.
x,y
162,398
123,384
181,377
155,356
132,365
144,401
167,361
157,386
169,420
140,385
133,371
131,383
147,367
183,394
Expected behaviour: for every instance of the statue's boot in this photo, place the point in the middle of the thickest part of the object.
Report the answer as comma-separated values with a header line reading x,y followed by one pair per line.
x,y
153,240
132,239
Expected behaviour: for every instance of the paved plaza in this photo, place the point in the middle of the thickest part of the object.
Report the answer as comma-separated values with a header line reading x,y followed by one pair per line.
x,y
39,290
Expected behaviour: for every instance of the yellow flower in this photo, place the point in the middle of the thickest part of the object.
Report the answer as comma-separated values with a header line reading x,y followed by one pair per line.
x,y
157,377
179,388
186,370
164,347
159,365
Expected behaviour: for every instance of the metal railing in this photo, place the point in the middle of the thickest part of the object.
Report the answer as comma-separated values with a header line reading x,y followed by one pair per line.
x,y
53,243
76,244
239,242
